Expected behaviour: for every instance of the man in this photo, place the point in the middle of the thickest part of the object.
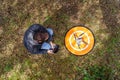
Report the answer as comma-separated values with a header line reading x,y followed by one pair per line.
x,y
38,40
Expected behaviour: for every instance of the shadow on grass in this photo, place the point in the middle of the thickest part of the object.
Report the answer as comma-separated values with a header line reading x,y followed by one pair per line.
x,y
59,20
110,10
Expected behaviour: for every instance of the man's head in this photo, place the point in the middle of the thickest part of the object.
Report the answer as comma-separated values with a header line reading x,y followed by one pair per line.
x,y
40,36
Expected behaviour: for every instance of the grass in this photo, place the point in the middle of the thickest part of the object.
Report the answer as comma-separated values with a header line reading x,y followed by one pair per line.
x,y
8,67
100,64
97,72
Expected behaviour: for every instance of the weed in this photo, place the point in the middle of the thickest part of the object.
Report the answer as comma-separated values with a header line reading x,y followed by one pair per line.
x,y
8,67
97,73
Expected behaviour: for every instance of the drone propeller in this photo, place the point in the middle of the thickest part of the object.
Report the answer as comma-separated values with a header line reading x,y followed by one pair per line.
x,y
81,34
84,41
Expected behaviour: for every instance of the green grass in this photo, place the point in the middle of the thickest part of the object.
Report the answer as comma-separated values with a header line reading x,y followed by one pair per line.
x,y
97,72
8,67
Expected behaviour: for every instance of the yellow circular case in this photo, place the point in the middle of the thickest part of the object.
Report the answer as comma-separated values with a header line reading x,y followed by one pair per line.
x,y
79,40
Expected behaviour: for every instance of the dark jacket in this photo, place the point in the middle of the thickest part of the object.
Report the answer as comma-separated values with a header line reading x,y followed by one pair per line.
x,y
32,45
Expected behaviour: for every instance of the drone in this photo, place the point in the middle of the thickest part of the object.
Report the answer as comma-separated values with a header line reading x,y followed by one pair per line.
x,y
79,39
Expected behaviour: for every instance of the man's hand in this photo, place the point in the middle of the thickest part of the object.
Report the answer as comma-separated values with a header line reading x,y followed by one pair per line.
x,y
50,52
52,44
